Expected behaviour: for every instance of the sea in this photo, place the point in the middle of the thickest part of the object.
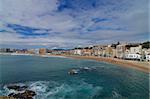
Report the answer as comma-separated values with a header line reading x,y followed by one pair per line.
x,y
49,78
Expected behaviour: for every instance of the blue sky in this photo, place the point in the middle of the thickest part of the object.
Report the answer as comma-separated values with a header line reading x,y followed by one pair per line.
x,y
72,23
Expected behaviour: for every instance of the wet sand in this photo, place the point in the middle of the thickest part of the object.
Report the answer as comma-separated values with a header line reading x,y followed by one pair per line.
x,y
142,66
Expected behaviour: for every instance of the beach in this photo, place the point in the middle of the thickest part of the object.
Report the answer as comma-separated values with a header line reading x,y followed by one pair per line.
x,y
142,66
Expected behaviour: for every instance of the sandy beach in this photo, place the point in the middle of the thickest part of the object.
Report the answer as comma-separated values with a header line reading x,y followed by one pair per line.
x,y
142,66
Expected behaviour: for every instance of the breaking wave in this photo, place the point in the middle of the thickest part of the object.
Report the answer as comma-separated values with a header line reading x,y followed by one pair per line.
x,y
54,90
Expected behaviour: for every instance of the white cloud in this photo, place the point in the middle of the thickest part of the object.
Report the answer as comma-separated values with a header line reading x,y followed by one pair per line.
x,y
128,15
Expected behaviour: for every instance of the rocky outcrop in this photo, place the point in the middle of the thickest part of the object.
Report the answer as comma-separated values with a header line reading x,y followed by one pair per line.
x,y
27,94
22,92
16,87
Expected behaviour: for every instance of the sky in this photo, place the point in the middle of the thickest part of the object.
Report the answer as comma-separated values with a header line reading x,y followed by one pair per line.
x,y
72,23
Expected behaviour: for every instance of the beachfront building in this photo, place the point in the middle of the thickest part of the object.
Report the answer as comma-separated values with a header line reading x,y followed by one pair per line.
x,y
148,57
31,51
134,53
99,50
146,51
42,51
120,51
66,52
110,51
95,50
147,54
133,56
36,51
21,51
113,53
136,50
56,51
6,50
71,52
87,51
77,51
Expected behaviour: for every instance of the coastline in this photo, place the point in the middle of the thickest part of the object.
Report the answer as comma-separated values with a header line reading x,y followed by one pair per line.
x,y
142,66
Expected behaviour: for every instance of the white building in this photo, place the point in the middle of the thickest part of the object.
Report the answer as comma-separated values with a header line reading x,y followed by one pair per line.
x,y
147,57
120,51
36,51
134,53
99,50
147,54
78,52
133,56
135,50
147,51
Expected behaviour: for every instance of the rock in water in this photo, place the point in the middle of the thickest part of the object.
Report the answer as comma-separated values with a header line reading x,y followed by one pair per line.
x,y
73,71
21,92
28,94
16,87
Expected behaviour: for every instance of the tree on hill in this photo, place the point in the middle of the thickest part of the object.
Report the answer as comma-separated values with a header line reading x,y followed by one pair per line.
x,y
146,44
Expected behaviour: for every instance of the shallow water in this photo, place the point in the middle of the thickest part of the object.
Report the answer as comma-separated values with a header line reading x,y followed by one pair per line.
x,y
49,78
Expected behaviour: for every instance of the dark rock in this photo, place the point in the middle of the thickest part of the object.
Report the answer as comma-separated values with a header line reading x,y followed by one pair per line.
x,y
81,70
28,94
11,94
73,71
16,87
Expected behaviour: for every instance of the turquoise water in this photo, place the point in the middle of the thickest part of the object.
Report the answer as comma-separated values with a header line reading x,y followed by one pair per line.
x,y
49,78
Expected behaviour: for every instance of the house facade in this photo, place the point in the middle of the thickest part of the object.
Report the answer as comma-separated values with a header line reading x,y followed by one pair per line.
x,y
99,50
133,56
42,51
77,52
136,50
134,53
120,51
87,52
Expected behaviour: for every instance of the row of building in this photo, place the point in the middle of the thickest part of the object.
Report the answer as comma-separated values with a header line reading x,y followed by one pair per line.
x,y
41,51
121,51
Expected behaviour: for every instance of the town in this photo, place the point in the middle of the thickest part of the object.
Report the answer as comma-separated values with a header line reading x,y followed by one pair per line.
x,y
127,51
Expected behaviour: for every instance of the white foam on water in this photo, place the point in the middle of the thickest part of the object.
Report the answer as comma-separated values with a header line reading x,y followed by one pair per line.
x,y
56,56
64,90
115,94
7,91
39,86
54,90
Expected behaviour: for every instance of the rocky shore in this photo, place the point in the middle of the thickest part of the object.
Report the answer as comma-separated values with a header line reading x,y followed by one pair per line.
x,y
19,92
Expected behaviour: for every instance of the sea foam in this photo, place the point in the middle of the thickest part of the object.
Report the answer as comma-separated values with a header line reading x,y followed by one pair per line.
x,y
55,90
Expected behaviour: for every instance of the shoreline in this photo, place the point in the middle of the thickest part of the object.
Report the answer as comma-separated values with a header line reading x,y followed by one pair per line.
x,y
142,66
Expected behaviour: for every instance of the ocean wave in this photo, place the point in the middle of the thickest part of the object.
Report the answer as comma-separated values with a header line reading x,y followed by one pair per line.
x,y
116,94
55,90
53,56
